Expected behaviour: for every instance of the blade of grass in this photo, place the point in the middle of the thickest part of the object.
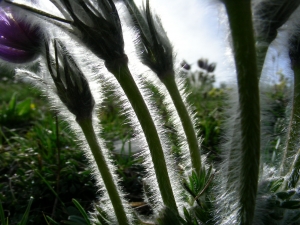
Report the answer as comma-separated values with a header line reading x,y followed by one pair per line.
x,y
81,210
2,216
25,216
50,219
49,186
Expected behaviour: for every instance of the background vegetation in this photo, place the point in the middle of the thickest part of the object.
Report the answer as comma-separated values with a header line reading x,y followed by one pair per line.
x,y
39,157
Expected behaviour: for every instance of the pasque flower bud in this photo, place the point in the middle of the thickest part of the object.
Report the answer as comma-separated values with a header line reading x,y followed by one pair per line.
x,y
154,47
95,23
185,65
99,30
211,67
203,63
271,15
71,85
20,41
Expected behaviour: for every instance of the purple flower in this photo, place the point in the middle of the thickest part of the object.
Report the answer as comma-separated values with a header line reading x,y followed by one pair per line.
x,y
19,41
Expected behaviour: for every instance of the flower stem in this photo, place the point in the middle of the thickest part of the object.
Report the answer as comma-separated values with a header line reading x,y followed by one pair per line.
x,y
293,135
169,82
240,20
234,152
125,79
89,133
261,52
294,125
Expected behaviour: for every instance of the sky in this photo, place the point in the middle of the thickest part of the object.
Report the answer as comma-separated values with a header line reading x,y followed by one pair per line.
x,y
196,30
199,29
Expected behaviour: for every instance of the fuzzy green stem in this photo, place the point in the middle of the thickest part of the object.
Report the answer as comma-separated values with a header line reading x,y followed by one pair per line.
x,y
169,81
293,178
261,52
240,20
293,135
90,135
294,125
125,79
234,152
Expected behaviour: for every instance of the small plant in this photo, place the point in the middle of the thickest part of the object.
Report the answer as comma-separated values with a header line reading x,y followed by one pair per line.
x,y
80,54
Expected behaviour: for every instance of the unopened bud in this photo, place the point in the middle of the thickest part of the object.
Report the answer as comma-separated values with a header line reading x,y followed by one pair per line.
x,y
71,85
211,68
203,63
185,65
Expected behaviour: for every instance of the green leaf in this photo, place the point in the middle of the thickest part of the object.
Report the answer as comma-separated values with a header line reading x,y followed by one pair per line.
x,y
81,210
296,217
77,220
168,217
51,220
49,186
23,108
25,216
292,204
285,194
70,222
186,214
102,217
2,216
276,184
12,104
276,215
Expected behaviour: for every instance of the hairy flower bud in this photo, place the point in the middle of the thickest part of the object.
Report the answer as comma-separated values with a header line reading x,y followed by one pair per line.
x,y
203,63
20,42
185,65
71,85
154,46
211,67
103,34
271,15
95,23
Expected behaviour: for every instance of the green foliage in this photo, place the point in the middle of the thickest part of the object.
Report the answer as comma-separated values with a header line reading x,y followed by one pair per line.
x,y
40,157
199,189
26,214
24,218
82,211
2,216
167,216
15,113
208,104
101,217
29,163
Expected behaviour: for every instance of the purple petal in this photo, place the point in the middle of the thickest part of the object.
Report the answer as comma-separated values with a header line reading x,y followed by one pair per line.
x,y
16,55
19,41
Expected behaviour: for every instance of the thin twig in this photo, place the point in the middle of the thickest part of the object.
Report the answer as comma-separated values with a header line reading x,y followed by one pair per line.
x,y
205,187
